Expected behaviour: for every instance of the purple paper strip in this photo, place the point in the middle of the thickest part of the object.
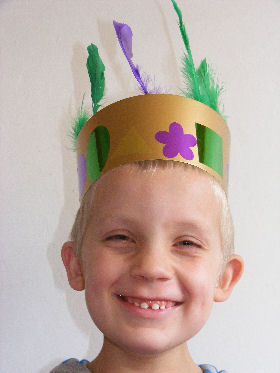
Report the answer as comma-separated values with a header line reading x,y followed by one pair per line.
x,y
82,172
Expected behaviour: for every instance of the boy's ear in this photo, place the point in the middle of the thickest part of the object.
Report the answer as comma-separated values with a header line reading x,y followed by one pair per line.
x,y
73,266
231,274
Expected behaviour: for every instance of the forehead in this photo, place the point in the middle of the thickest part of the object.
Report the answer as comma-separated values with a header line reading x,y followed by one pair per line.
x,y
168,195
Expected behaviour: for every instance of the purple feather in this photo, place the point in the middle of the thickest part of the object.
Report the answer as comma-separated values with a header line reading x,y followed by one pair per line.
x,y
150,84
124,35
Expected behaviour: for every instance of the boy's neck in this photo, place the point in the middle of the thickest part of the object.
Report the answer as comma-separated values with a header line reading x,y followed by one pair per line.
x,y
113,359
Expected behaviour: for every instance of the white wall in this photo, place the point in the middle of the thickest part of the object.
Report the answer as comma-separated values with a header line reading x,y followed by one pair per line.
x,y
43,77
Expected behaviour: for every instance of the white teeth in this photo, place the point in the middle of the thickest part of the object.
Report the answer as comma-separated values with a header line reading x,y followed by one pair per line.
x,y
150,304
144,305
155,306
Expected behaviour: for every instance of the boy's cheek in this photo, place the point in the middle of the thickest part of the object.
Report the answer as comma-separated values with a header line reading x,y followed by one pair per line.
x,y
101,270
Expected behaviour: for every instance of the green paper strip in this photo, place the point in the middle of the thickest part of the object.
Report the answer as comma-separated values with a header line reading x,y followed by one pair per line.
x,y
210,148
97,152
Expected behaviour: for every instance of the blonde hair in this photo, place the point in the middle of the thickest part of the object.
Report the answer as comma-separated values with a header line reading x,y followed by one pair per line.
x,y
87,209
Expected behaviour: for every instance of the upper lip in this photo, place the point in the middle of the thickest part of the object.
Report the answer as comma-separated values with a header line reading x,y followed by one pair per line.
x,y
150,298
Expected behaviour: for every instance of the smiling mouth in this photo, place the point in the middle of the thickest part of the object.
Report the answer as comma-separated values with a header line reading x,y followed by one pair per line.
x,y
153,304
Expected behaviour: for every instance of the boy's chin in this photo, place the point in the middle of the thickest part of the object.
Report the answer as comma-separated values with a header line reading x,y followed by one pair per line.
x,y
146,345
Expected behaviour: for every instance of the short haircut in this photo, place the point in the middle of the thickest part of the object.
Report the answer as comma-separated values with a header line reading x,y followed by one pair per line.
x,y
86,209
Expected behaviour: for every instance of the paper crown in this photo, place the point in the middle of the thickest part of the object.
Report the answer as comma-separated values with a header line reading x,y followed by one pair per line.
x,y
157,126
152,126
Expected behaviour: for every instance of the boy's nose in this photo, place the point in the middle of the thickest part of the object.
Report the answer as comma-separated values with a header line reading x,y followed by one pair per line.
x,y
151,266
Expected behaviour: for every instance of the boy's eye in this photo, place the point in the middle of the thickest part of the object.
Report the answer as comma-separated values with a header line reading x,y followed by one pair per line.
x,y
187,243
121,237
120,242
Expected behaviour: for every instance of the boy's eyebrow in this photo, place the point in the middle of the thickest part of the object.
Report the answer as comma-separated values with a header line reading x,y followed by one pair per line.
x,y
193,223
196,225
112,217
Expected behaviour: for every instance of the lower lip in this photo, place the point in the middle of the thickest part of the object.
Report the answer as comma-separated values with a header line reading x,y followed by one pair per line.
x,y
147,313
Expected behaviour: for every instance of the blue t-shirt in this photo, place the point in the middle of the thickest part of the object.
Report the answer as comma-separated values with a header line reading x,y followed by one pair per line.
x,y
76,366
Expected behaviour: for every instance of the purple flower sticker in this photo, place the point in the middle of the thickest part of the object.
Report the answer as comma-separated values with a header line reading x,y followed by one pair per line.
x,y
176,142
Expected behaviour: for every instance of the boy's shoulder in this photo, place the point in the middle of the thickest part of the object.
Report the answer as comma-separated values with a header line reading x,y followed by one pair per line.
x,y
74,365
207,368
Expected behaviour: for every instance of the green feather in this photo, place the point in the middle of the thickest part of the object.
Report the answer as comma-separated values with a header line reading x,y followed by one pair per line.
x,y
209,89
78,123
96,70
200,83
192,88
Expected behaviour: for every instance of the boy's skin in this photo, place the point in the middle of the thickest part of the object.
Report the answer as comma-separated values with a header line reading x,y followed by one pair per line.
x,y
151,236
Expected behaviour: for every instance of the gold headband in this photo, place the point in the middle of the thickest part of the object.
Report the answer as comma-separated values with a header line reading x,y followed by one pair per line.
x,y
155,126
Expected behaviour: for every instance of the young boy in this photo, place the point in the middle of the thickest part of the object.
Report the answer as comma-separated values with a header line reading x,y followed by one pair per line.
x,y
154,257
152,244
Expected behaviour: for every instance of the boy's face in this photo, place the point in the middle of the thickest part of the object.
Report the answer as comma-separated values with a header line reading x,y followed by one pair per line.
x,y
153,240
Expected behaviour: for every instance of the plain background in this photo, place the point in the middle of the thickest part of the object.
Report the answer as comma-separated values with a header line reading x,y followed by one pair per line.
x,y
43,78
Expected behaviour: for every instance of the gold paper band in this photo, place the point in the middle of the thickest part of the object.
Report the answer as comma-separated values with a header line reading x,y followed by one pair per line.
x,y
156,126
